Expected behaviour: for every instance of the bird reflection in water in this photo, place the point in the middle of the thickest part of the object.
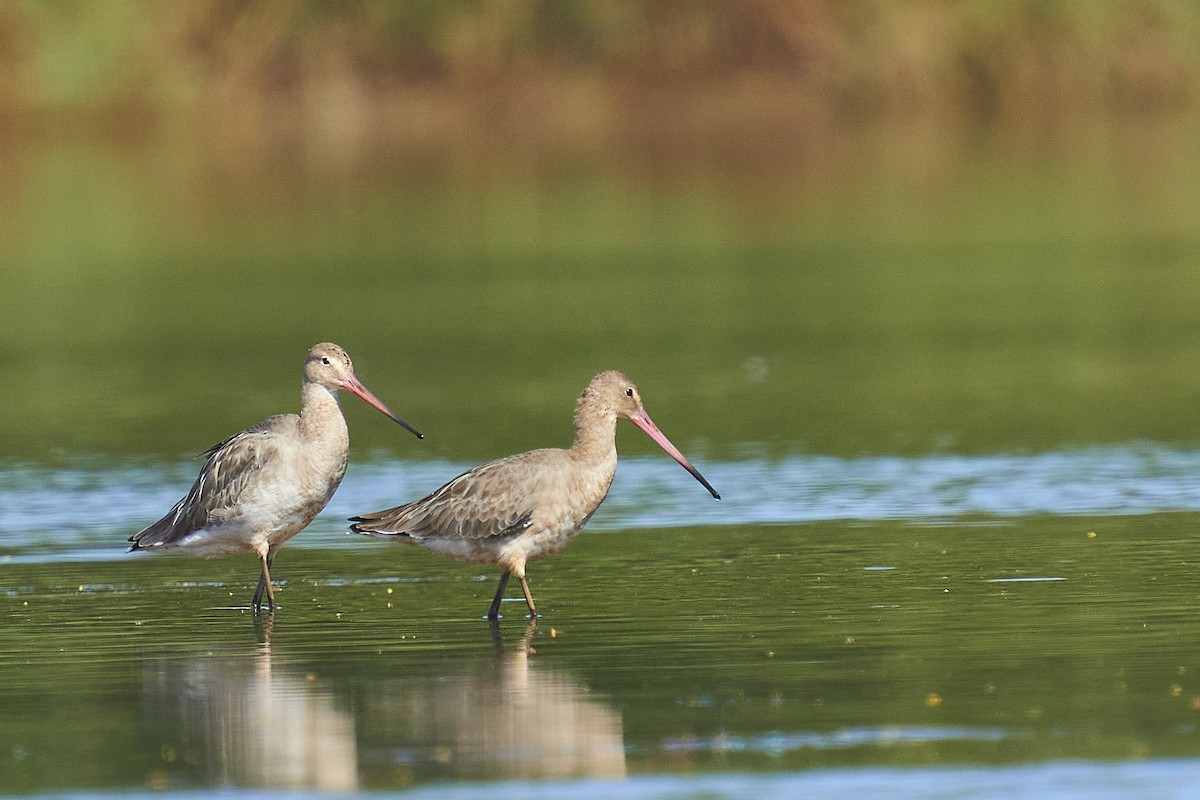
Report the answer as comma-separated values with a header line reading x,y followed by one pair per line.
x,y
501,718
239,720
242,720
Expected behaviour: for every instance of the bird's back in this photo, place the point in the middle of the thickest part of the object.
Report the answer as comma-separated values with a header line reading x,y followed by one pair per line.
x,y
499,498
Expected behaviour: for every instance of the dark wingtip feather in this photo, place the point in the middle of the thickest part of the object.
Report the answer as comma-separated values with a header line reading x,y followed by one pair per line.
x,y
358,525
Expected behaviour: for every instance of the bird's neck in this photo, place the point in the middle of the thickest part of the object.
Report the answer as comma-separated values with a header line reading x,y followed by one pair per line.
x,y
320,414
595,437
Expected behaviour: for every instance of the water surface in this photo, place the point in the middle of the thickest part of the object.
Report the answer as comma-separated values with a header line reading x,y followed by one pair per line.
x,y
87,511
715,650
946,387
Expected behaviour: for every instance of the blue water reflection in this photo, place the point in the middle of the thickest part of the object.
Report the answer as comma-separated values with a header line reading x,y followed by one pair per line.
x,y
62,510
1161,779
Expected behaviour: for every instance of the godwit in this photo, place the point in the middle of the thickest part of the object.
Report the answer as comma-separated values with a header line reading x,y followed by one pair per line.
x,y
516,509
260,487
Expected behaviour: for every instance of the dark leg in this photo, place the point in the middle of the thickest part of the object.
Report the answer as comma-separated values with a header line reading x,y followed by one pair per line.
x,y
256,603
528,598
494,611
264,583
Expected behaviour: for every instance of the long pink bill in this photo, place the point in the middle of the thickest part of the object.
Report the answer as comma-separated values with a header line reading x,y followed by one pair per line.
x,y
643,421
352,384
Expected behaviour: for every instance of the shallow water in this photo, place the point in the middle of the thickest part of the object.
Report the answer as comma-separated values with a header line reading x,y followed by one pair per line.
x,y
716,651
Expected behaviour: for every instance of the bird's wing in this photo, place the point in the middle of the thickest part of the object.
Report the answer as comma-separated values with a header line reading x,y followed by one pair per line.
x,y
498,498
229,467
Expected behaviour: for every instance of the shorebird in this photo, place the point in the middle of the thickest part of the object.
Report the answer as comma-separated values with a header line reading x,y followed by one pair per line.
x,y
261,487
526,506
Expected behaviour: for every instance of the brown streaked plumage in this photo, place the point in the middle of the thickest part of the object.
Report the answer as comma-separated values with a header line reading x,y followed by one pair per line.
x,y
516,509
261,487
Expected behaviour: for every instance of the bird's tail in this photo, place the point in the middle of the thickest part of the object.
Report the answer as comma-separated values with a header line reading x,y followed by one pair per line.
x,y
152,536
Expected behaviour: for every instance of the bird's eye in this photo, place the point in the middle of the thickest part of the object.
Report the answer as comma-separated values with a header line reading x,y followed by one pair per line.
x,y
325,360
629,392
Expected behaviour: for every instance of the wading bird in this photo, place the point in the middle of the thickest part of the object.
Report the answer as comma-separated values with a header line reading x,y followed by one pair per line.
x,y
261,487
516,509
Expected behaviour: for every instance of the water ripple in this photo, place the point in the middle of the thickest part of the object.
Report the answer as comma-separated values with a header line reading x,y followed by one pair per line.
x,y
778,743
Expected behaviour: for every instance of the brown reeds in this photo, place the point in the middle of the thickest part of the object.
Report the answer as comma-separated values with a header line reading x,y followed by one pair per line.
x,y
591,70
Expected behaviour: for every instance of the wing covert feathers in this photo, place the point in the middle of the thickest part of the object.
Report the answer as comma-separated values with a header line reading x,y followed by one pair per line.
x,y
498,498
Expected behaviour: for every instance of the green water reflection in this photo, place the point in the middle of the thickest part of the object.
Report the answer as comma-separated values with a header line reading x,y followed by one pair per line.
x,y
919,292
660,651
